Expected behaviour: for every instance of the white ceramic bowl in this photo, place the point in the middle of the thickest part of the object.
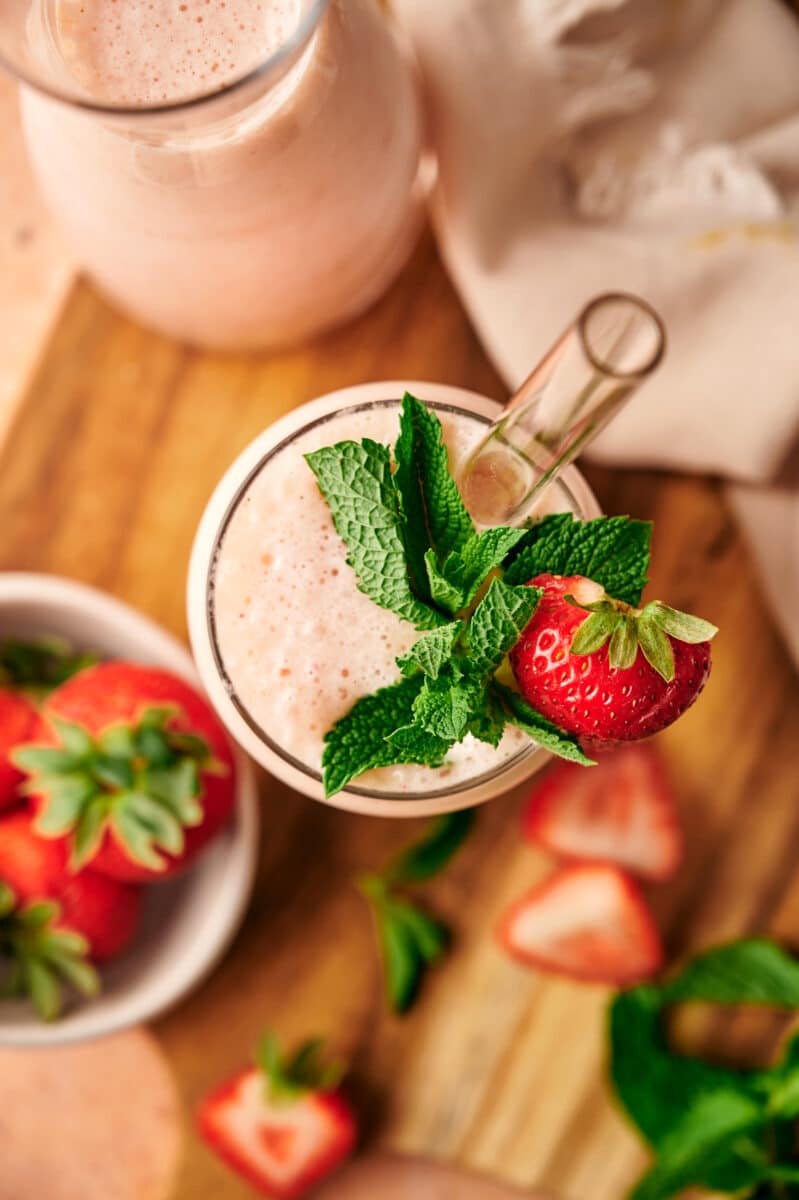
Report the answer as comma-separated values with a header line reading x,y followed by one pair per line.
x,y
188,922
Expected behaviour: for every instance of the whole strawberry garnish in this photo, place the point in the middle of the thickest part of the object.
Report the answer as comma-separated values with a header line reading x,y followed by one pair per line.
x,y
132,767
603,670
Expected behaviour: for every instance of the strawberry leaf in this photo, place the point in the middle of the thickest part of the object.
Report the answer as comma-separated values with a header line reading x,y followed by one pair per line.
x,y
42,959
288,1078
142,780
40,666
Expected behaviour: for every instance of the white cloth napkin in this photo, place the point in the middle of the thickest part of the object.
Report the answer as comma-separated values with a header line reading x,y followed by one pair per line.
x,y
652,146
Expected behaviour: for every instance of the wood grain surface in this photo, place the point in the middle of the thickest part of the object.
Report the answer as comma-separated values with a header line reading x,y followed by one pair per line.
x,y
104,476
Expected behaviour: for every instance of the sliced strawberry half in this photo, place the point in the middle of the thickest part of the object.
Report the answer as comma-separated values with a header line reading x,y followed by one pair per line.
x,y
283,1126
589,922
622,811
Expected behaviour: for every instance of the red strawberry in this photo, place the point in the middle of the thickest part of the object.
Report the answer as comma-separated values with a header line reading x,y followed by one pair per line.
x,y
589,922
133,767
18,719
621,811
102,910
281,1126
604,671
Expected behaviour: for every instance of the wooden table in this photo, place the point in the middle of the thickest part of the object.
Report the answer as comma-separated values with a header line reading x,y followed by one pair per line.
x,y
117,445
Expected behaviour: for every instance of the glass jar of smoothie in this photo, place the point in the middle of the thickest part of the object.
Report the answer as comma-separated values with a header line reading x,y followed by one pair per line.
x,y
235,173
284,641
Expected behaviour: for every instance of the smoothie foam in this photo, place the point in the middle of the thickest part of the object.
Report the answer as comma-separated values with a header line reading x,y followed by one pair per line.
x,y
298,643
144,52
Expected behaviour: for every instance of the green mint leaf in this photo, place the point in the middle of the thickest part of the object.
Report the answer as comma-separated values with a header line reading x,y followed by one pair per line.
x,y
447,595
426,858
375,733
483,553
488,725
783,1084
435,517
751,971
536,726
704,1141
613,551
432,651
656,1086
445,705
498,622
356,481
410,941
711,1126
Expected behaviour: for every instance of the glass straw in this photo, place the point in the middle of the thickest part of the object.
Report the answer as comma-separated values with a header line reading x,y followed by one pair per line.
x,y
589,374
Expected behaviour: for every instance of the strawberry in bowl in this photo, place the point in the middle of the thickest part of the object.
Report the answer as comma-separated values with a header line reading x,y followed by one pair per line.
x,y
131,767
55,923
18,721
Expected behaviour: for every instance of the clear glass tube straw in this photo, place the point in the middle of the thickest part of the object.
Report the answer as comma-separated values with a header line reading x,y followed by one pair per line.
x,y
588,375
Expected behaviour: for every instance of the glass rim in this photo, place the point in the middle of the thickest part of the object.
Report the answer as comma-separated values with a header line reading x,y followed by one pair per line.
x,y
306,27
530,751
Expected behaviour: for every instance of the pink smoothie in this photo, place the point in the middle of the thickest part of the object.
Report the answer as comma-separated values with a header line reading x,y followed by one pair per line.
x,y
255,218
298,642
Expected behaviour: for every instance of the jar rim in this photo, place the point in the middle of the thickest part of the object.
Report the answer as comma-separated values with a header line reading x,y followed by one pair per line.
x,y
273,65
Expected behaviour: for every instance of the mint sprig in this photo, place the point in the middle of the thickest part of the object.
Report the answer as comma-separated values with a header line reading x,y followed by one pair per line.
x,y
415,551
710,1126
409,938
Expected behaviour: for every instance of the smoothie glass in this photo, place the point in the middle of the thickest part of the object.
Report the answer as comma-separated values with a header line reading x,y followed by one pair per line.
x,y
237,174
316,423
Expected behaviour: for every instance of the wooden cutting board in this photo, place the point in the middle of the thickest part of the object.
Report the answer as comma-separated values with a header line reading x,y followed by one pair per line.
x,y
117,445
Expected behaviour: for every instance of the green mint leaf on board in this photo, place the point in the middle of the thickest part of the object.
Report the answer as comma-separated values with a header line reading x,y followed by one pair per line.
x,y
710,1126
410,940
433,852
432,651
613,551
518,712
370,735
752,971
435,517
356,481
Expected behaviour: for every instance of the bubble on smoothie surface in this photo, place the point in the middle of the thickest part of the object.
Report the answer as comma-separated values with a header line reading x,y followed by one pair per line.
x,y
309,643
147,52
